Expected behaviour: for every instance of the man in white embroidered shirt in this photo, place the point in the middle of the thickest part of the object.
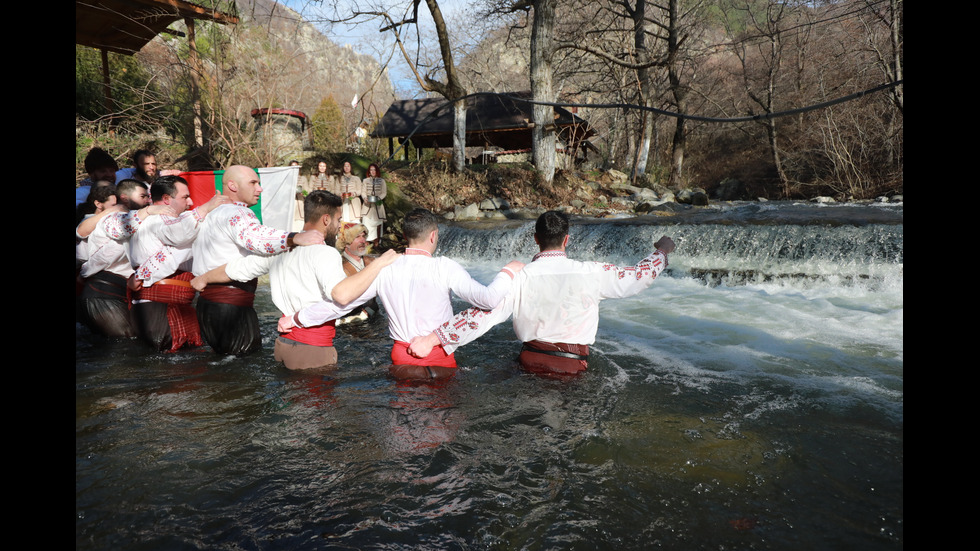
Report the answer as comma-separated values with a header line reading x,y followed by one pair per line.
x,y
415,292
225,314
554,302
160,251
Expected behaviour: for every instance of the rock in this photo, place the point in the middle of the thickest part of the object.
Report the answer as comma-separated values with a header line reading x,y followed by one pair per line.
x,y
645,195
617,176
693,196
577,203
494,215
469,212
823,199
494,203
632,190
729,189
651,206
624,202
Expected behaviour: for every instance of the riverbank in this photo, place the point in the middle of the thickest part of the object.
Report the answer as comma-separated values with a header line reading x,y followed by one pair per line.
x,y
796,213
509,196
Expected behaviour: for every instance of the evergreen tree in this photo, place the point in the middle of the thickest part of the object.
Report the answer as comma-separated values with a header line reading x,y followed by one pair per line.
x,y
329,132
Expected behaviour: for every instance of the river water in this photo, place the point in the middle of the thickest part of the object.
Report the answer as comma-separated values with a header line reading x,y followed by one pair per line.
x,y
751,398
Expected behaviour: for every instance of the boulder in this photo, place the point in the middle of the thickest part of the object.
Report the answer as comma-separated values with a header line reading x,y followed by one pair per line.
x,y
494,203
469,212
729,189
617,176
693,196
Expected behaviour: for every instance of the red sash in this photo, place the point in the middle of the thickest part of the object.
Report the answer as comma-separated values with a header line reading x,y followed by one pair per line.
x,y
321,335
234,293
181,316
546,358
437,358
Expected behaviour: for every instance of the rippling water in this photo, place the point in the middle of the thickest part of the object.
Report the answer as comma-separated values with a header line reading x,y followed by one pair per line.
x,y
752,398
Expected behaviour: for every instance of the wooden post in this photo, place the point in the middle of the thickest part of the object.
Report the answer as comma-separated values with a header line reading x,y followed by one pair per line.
x,y
110,106
195,63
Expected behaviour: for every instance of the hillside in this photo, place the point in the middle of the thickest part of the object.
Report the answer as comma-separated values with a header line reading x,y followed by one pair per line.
x,y
272,59
321,66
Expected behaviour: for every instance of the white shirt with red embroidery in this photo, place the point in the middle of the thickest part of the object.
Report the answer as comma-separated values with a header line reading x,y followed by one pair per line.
x,y
107,245
415,291
298,278
555,299
233,231
162,245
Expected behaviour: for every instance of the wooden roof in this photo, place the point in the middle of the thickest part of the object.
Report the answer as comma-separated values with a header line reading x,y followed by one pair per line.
x,y
492,120
125,26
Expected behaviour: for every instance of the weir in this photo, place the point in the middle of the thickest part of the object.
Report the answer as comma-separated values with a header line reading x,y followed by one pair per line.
x,y
793,254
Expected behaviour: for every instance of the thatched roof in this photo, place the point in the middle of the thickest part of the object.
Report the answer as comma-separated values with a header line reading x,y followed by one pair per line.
x,y
491,120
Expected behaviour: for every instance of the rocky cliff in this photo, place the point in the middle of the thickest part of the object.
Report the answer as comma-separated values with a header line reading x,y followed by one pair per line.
x,y
320,66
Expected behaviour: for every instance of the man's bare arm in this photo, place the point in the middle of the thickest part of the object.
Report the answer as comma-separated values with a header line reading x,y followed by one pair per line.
x,y
217,275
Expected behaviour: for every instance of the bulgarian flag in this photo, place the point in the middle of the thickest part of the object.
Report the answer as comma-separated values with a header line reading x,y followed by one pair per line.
x,y
276,204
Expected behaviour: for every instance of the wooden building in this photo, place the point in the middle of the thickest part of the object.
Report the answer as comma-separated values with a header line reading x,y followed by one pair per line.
x,y
495,124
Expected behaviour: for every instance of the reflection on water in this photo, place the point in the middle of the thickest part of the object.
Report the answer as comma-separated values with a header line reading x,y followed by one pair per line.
x,y
711,417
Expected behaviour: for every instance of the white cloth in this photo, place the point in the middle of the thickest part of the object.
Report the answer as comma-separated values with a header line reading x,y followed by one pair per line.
x,y
107,249
230,232
415,291
373,214
81,243
299,278
278,195
162,245
555,299
351,186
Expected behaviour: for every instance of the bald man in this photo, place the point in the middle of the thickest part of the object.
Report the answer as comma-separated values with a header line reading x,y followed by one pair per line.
x,y
225,314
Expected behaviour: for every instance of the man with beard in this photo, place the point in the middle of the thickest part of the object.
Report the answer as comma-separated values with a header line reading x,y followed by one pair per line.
x,y
144,168
225,313
103,298
160,250
352,244
304,276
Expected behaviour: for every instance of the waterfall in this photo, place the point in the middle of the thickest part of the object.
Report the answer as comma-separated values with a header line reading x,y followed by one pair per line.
x,y
728,254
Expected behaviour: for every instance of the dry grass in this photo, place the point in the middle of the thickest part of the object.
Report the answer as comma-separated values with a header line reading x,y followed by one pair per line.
x,y
432,186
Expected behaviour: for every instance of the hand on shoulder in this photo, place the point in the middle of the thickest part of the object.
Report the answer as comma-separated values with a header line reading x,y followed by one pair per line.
x,y
513,267
387,258
308,237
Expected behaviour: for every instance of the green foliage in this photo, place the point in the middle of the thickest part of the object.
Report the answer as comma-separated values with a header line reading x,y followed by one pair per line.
x,y
129,82
329,132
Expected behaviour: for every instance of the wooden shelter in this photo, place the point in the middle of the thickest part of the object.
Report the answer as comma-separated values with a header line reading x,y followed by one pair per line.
x,y
492,122
125,26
